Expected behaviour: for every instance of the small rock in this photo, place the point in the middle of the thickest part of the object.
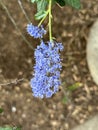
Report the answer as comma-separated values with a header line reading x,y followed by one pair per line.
x,y
54,123
92,52
13,109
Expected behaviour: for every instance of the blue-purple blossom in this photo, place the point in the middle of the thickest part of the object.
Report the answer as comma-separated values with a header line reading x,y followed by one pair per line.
x,y
35,31
46,80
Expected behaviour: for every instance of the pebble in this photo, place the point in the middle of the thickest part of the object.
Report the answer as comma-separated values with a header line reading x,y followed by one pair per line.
x,y
14,109
23,115
90,108
76,111
81,121
54,123
92,52
66,126
17,89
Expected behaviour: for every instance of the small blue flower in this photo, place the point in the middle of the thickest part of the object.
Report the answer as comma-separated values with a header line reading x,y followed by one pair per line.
x,y
46,80
35,31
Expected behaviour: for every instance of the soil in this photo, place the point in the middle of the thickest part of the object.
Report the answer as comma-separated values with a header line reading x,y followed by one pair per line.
x,y
20,108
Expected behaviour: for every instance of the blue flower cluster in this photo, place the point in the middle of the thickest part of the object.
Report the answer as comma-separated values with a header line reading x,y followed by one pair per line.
x,y
46,80
46,77
35,31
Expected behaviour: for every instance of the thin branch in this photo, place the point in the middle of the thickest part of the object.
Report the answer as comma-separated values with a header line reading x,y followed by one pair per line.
x,y
22,8
12,82
14,23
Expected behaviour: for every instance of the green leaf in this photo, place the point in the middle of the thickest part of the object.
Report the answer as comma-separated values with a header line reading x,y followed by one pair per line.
x,y
6,128
74,3
41,9
17,128
65,100
41,5
10,128
34,1
40,15
1,110
61,2
74,86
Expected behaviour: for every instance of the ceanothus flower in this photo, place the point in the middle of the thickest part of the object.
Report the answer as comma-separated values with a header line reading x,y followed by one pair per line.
x,y
35,31
46,80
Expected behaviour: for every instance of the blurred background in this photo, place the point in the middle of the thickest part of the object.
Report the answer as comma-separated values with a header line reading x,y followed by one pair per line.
x,y
67,108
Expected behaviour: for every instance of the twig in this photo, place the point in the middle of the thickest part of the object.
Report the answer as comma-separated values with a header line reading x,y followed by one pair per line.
x,y
22,8
75,53
14,23
12,82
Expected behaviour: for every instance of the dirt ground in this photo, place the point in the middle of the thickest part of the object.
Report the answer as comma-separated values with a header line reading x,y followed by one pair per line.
x,y
71,27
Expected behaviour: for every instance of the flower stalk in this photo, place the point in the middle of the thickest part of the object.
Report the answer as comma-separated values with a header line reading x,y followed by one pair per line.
x,y
50,17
